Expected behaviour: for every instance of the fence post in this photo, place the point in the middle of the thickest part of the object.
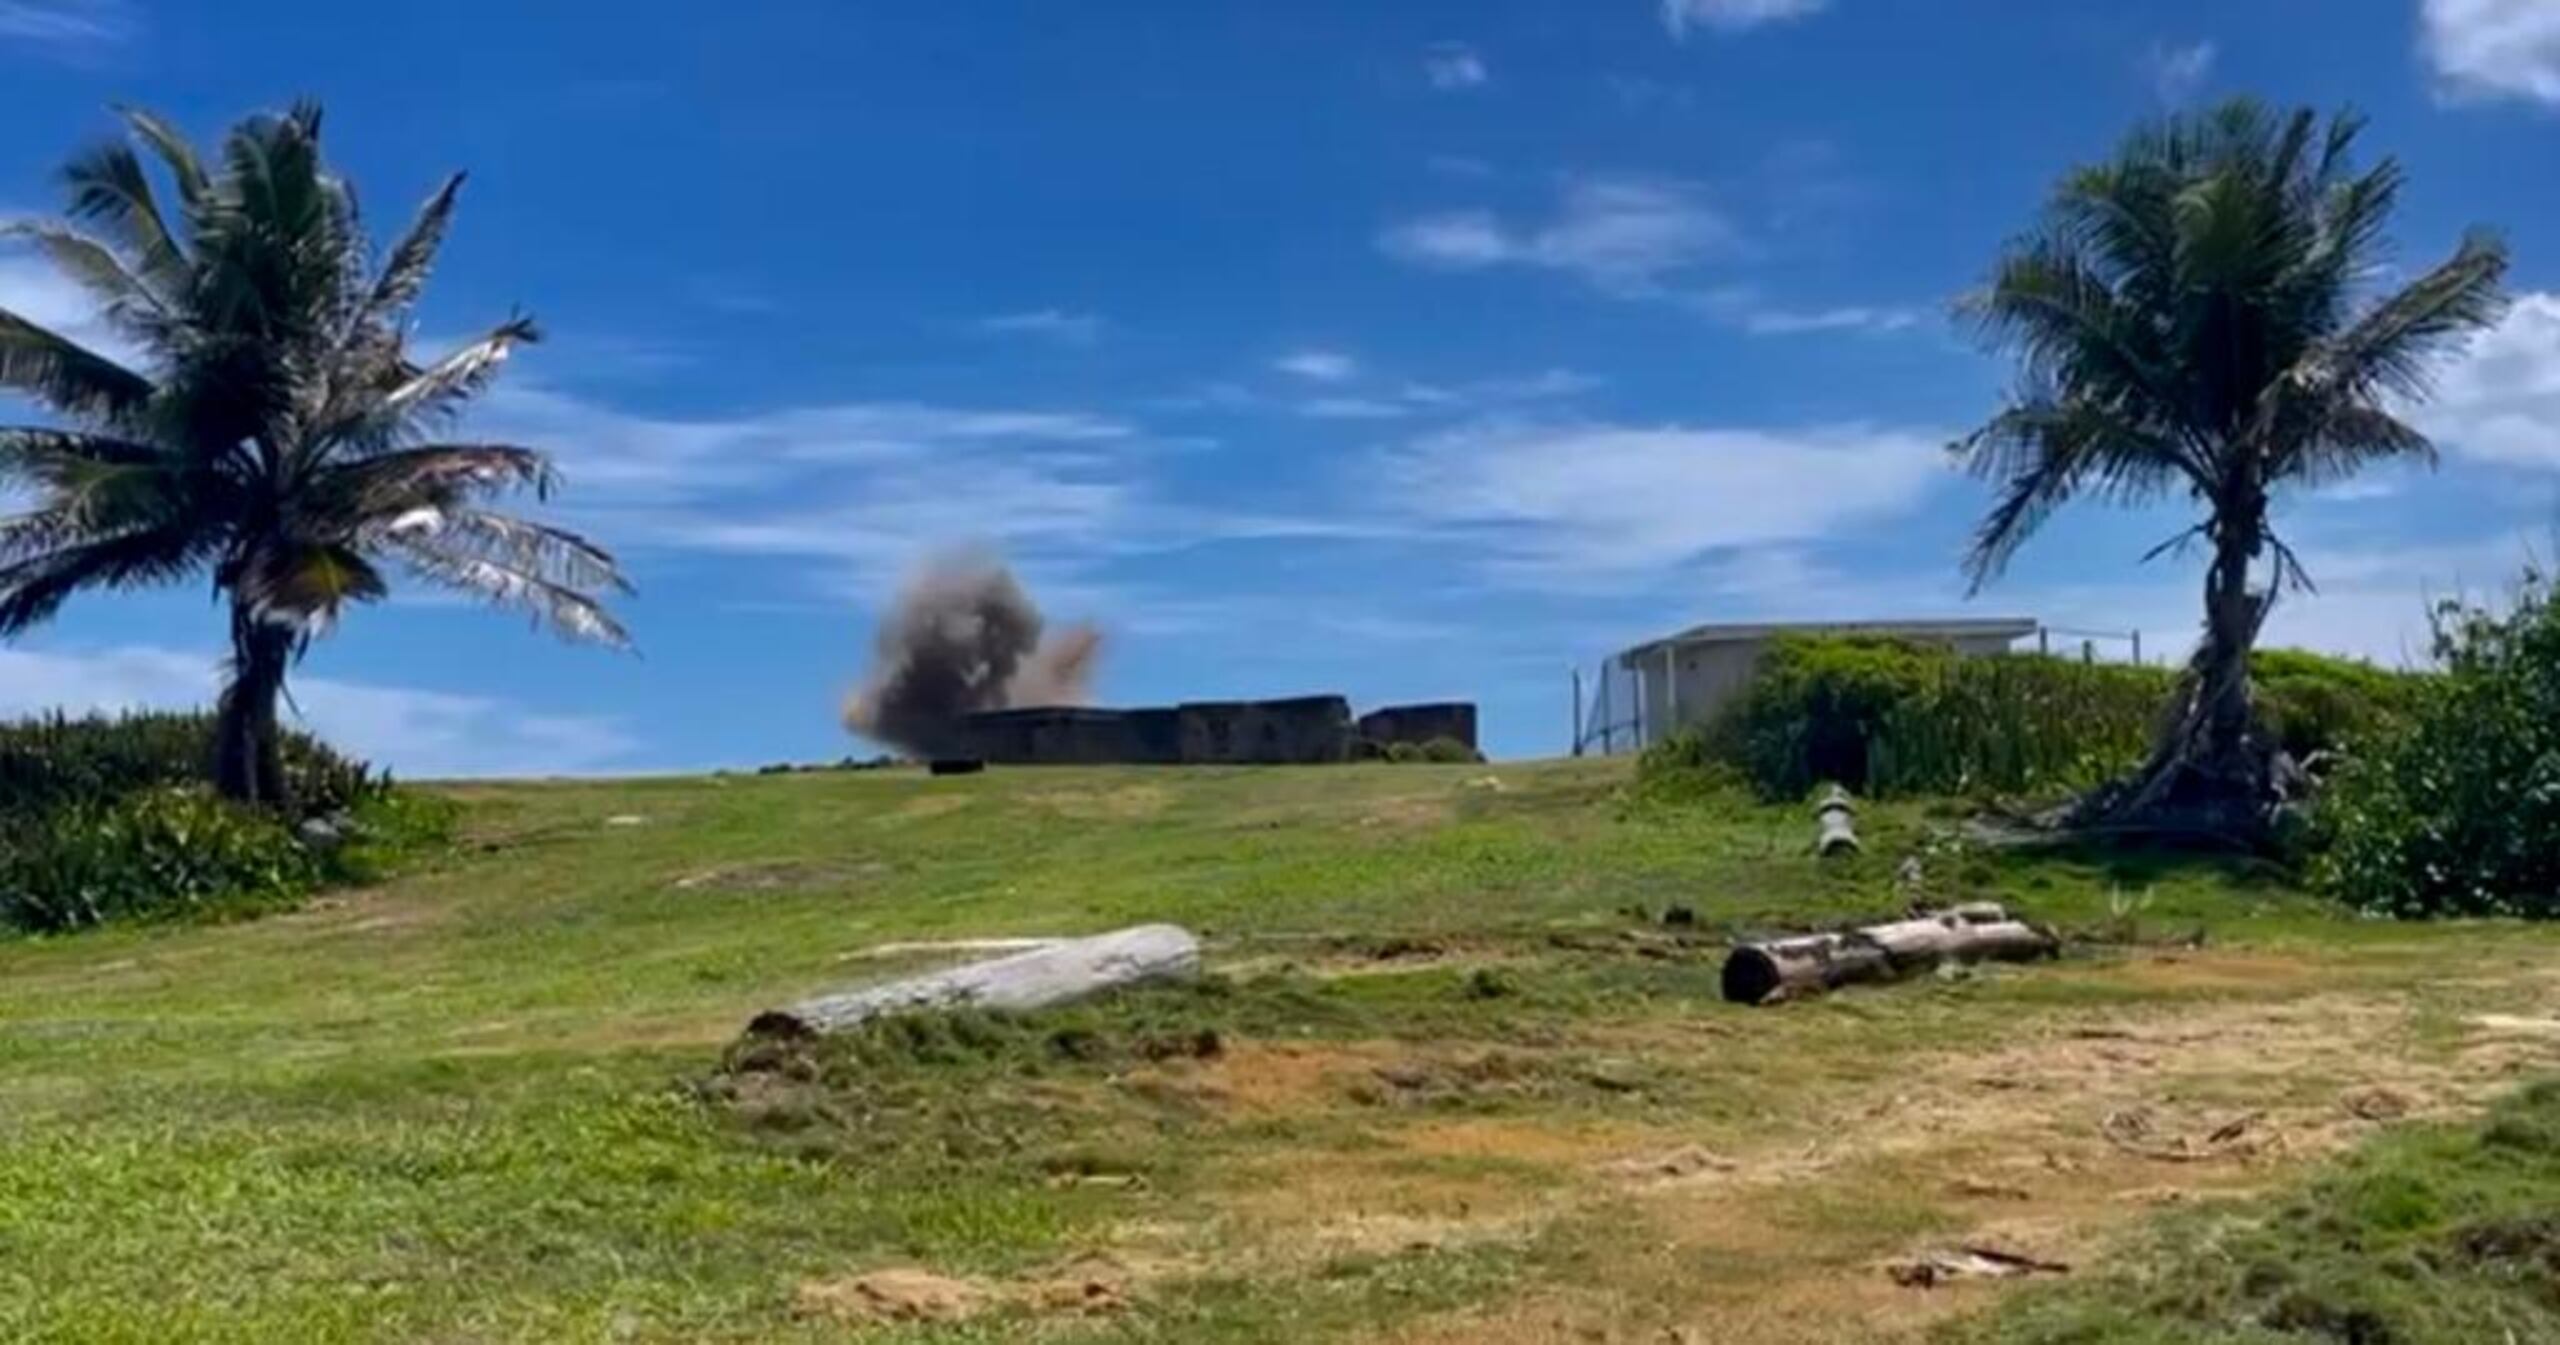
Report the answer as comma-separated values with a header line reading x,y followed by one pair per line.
x,y
2044,640
2137,649
1576,738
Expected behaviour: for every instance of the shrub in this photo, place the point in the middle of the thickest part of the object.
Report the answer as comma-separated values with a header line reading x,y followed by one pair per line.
x,y
2315,703
2457,811
1449,751
158,851
57,762
104,819
1887,716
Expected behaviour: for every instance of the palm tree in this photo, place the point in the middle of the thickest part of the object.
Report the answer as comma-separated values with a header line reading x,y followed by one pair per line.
x,y
269,427
2203,316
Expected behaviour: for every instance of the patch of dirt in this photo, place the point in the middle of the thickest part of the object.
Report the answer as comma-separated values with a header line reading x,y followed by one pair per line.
x,y
1406,813
1265,1078
2052,1143
898,1294
1296,1208
779,874
1128,803
1085,1286
923,807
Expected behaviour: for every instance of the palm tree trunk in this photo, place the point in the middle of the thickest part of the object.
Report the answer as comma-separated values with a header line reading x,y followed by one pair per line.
x,y
248,765
2211,770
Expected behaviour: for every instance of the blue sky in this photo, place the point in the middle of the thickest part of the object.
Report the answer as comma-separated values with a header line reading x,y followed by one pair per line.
x,y
1413,351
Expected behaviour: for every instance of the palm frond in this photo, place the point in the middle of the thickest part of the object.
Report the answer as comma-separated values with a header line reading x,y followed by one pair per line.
x,y
66,376
570,613
176,154
434,476
440,388
92,265
32,589
108,186
2392,348
405,267
554,554
2043,452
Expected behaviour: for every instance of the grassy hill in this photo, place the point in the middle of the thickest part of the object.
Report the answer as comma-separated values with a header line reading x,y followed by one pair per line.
x,y
1452,1079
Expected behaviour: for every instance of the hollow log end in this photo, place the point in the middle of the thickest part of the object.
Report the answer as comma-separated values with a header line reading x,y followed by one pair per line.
x,y
780,1025
1751,976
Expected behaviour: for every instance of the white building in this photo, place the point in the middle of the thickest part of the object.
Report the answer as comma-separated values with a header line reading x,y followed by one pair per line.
x,y
1665,685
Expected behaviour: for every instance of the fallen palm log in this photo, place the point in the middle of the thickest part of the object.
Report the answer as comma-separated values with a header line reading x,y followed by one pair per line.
x,y
1059,973
1836,824
1775,969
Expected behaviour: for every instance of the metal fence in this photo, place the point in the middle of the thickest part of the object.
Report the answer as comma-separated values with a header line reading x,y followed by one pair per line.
x,y
1608,710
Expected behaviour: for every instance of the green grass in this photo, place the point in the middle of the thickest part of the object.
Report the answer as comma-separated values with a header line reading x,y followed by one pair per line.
x,y
486,1100
2443,1233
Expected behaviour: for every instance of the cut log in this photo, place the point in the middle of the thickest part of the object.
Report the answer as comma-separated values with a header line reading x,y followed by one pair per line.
x,y
1836,824
1060,973
1776,969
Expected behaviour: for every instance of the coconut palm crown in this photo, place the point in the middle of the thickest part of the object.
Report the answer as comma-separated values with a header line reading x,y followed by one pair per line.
x,y
2204,317
248,412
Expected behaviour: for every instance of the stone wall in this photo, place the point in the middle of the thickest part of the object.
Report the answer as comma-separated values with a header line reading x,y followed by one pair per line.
x,y
1419,724
1301,730
1298,731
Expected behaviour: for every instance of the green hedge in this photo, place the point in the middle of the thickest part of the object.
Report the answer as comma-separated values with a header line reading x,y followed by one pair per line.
x,y
1889,717
57,762
2456,811
2316,703
111,819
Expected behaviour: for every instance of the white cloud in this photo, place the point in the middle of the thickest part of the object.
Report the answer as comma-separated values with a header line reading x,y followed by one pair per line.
x,y
415,732
1847,318
68,28
1073,329
2500,401
1451,66
1578,500
622,454
2494,48
1732,16
1621,234
1322,366
1353,408
2176,73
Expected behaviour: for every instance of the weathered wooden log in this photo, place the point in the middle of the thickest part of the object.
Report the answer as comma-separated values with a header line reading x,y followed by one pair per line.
x,y
1062,972
1775,969
1836,824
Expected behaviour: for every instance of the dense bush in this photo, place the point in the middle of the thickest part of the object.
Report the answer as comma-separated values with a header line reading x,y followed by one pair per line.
x,y
106,819
161,851
1890,717
2457,812
55,762
2315,703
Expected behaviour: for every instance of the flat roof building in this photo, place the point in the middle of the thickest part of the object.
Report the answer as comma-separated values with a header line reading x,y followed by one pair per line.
x,y
1683,679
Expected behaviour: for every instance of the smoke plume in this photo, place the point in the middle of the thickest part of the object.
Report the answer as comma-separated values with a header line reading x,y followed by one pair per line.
x,y
964,637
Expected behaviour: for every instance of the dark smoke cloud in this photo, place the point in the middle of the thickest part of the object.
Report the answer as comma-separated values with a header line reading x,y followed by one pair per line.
x,y
964,637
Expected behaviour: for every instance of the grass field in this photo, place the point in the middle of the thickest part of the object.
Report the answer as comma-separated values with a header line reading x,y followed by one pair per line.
x,y
1451,1080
